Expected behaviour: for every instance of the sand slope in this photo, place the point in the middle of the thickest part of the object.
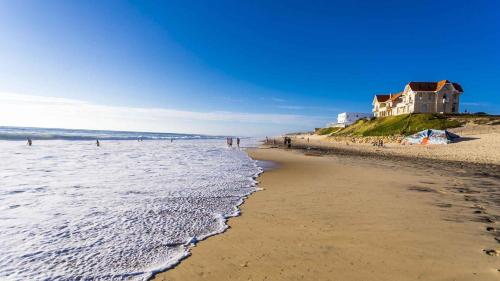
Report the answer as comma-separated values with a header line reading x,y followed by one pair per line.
x,y
328,218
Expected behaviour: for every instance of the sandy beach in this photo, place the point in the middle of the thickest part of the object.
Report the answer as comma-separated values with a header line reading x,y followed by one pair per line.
x,y
323,217
479,144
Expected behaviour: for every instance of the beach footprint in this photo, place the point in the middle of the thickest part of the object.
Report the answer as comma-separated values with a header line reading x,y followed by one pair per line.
x,y
491,252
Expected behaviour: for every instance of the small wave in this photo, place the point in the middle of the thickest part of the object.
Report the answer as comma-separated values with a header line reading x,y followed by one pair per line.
x,y
113,218
22,133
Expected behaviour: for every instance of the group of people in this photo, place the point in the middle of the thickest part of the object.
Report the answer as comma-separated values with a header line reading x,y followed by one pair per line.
x,y
379,143
30,142
229,142
268,141
287,142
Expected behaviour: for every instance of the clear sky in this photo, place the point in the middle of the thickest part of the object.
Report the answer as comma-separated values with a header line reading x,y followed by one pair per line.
x,y
235,67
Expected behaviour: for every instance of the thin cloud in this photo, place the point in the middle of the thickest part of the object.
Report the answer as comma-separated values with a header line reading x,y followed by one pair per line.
x,y
28,110
474,104
300,107
291,107
273,99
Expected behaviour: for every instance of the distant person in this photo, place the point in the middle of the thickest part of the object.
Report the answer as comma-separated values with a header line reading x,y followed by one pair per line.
x,y
238,142
307,139
171,140
97,142
267,140
380,143
230,142
29,142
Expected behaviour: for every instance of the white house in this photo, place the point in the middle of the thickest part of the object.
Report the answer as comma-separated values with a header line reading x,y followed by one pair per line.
x,y
420,97
345,119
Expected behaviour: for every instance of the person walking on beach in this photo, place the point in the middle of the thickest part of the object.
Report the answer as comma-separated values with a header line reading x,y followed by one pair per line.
x,y
97,142
287,142
29,142
380,143
238,142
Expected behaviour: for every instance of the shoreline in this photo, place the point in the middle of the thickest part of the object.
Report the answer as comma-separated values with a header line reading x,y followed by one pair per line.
x,y
262,167
269,230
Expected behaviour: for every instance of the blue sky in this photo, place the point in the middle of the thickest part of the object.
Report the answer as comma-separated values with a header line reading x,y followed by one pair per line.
x,y
234,67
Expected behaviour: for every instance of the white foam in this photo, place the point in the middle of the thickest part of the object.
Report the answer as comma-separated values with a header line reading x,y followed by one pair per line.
x,y
125,210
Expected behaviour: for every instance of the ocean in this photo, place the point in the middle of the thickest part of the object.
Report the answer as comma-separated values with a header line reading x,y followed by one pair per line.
x,y
70,210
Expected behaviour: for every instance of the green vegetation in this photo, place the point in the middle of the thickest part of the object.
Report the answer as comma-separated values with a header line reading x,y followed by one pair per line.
x,y
408,124
394,125
327,131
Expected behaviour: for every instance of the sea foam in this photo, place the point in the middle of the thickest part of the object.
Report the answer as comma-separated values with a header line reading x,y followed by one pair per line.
x,y
122,211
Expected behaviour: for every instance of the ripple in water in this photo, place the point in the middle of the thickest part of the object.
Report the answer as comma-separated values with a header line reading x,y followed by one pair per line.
x,y
71,210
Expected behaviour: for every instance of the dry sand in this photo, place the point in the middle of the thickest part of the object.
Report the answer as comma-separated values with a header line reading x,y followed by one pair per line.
x,y
332,218
479,144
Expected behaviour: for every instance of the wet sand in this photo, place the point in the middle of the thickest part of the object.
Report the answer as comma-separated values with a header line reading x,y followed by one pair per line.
x,y
351,218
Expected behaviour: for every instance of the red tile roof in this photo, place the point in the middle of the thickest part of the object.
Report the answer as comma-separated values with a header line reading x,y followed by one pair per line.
x,y
392,97
458,87
396,96
382,98
432,86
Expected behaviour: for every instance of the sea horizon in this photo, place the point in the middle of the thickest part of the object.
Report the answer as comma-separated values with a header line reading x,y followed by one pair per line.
x,y
42,133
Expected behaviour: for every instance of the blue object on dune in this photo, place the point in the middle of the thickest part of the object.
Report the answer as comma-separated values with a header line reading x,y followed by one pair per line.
x,y
431,136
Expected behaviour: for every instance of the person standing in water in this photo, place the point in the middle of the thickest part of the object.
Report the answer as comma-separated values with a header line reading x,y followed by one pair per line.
x,y
97,142
238,142
29,142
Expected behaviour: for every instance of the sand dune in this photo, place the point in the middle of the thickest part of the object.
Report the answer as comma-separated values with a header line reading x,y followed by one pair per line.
x,y
479,144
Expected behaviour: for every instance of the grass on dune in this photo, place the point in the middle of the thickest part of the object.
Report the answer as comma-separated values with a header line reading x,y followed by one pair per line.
x,y
327,131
